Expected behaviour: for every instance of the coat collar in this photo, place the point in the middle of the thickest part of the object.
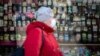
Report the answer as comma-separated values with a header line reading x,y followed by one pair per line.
x,y
43,26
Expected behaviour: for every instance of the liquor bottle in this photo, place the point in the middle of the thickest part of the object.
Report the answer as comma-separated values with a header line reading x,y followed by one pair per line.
x,y
89,37
6,37
93,21
66,36
10,16
94,7
10,3
12,37
49,2
76,18
61,35
23,17
5,23
10,23
19,23
95,37
24,9
5,17
95,28
69,9
88,22
1,10
75,9
83,36
1,22
27,22
77,37
23,23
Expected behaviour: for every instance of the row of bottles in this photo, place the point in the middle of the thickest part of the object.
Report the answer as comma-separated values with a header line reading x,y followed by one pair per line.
x,y
79,51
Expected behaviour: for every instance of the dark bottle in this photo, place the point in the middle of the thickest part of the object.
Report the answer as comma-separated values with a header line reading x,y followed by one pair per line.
x,y
95,38
1,9
94,7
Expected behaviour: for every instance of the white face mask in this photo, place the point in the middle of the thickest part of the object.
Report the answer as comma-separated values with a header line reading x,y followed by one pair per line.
x,y
53,23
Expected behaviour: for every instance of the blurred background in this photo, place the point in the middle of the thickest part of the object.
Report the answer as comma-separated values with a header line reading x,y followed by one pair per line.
x,y
78,26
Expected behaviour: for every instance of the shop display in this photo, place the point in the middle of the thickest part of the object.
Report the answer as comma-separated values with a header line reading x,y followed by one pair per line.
x,y
78,22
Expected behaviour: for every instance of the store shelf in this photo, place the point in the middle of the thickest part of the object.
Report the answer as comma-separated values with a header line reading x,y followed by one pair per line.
x,y
61,44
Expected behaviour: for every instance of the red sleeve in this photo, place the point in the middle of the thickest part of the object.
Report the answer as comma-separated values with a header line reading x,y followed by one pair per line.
x,y
33,41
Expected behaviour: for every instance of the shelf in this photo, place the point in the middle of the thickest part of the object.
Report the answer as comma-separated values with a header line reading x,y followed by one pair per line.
x,y
7,43
61,44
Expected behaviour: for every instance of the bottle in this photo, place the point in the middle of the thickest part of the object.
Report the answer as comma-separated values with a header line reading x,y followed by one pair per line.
x,y
1,23
1,38
66,36
24,7
23,23
89,37
95,37
95,28
12,37
94,7
49,2
75,9
6,37
5,23
61,35
1,10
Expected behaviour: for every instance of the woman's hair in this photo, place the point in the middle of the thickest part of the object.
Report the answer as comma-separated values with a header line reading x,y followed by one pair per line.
x,y
44,13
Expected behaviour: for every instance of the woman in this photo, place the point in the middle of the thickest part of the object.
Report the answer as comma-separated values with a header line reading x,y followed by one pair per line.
x,y
40,40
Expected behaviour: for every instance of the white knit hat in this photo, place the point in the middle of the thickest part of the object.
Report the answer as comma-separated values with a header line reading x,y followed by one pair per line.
x,y
44,13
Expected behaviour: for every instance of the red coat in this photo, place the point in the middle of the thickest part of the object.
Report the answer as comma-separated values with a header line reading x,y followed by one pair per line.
x,y
33,41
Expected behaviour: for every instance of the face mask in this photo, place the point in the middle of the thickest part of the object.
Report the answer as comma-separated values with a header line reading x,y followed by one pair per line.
x,y
53,23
